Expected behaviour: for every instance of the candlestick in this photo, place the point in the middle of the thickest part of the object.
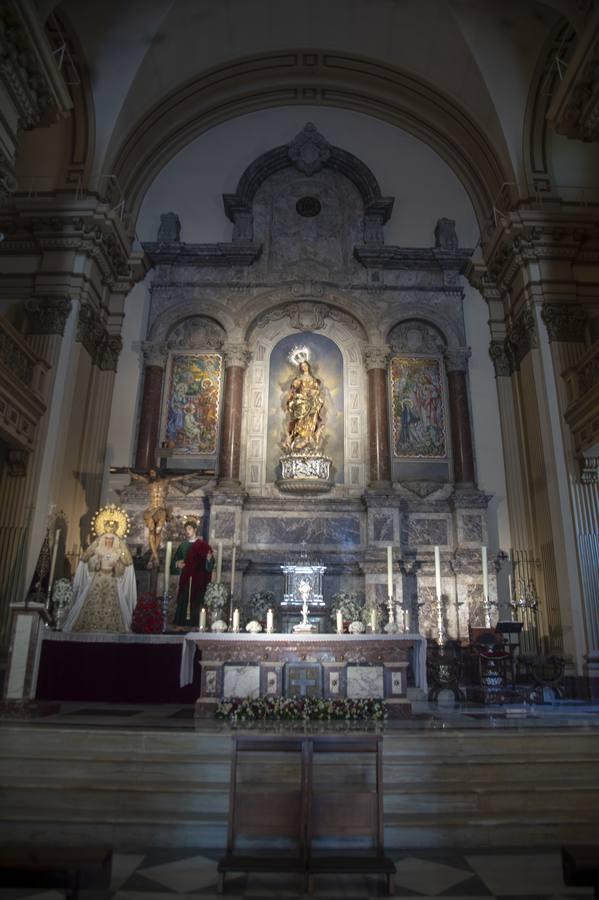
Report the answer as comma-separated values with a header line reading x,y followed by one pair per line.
x,y
203,619
390,571
373,620
233,569
236,620
485,565
438,589
188,614
53,563
509,588
219,561
167,562
438,572
339,622
269,622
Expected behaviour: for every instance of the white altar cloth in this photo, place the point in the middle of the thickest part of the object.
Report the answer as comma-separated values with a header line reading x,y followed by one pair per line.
x,y
193,638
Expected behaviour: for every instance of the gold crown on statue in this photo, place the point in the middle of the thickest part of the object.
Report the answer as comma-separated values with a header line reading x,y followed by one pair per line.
x,y
111,515
299,355
190,520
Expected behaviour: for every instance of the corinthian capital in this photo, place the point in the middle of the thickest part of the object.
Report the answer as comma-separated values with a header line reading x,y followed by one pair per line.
x,y
236,355
376,357
154,353
47,315
456,359
564,321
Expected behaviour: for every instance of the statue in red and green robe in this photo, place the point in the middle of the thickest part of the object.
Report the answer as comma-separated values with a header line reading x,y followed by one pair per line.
x,y
194,562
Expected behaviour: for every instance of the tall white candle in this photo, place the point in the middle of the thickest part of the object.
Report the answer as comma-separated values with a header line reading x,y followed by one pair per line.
x,y
373,622
54,555
509,588
219,561
390,571
236,620
485,573
203,619
270,621
233,569
339,622
438,572
167,563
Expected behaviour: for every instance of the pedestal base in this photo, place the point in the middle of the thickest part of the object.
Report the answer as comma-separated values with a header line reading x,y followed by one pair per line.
x,y
307,473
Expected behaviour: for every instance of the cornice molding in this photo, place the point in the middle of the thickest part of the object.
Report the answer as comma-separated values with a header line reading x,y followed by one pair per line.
x,y
574,110
85,226
28,68
175,253
103,347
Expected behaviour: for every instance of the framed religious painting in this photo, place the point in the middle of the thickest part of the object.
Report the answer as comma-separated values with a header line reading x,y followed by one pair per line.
x,y
192,405
419,408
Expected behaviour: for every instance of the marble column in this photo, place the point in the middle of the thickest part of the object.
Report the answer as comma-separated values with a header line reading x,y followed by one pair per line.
x,y
236,358
456,365
376,360
148,435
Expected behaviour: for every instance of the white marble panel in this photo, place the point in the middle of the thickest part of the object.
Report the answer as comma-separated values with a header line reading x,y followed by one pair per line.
x,y
242,681
20,654
365,681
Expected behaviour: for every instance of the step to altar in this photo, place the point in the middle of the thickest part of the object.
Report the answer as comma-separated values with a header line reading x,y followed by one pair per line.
x,y
142,788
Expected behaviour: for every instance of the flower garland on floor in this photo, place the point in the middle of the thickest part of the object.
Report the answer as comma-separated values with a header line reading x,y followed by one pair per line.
x,y
297,709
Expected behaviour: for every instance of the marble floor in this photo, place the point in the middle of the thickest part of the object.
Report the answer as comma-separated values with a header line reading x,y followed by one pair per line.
x,y
530,874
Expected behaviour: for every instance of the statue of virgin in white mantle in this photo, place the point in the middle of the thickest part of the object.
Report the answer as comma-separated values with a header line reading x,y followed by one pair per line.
x,y
104,590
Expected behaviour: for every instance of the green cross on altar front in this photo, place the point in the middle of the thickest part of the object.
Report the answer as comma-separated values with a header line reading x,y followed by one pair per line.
x,y
302,680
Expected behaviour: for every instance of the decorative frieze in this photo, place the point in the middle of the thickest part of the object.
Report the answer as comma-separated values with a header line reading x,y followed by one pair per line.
x,y
564,321
48,314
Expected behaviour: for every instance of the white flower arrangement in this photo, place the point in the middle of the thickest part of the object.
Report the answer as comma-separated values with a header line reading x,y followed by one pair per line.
x,y
357,628
349,604
215,598
219,626
62,593
253,627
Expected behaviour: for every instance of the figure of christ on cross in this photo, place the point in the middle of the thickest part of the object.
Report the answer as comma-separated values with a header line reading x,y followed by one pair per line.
x,y
157,513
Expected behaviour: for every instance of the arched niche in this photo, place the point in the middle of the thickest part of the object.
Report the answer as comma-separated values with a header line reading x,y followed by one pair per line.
x,y
268,379
419,407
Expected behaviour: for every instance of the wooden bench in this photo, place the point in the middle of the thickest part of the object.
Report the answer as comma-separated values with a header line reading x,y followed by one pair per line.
x,y
580,865
68,869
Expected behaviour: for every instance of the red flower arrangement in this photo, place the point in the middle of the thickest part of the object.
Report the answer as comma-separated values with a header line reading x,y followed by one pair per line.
x,y
147,615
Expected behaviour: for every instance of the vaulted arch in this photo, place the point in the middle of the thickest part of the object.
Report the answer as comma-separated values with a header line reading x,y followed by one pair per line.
x,y
312,77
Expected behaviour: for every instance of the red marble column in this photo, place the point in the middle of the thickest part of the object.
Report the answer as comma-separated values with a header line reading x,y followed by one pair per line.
x,y
456,362
148,435
378,417
236,358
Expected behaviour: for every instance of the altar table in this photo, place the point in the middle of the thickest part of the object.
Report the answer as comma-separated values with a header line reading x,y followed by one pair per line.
x,y
111,668
333,666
